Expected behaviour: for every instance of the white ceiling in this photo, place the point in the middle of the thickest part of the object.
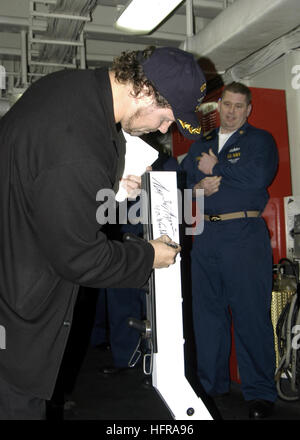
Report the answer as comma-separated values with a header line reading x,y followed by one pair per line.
x,y
225,32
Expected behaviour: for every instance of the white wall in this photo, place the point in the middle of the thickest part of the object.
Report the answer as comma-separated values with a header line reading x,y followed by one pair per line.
x,y
285,74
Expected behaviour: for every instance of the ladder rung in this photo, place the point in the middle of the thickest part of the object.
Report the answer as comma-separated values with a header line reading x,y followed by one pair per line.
x,y
40,63
61,42
45,2
64,16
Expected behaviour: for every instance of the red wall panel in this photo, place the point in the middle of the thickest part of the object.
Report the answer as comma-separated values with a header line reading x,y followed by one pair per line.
x,y
269,113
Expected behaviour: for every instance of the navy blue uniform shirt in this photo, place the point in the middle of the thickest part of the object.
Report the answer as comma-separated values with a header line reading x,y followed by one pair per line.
x,y
247,164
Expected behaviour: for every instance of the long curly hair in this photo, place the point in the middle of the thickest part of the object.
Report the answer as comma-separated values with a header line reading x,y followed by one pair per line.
x,y
127,68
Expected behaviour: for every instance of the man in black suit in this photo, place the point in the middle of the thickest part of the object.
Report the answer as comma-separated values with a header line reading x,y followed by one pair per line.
x,y
61,144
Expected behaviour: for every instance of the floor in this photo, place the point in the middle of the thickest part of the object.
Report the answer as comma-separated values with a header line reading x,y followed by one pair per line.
x,y
127,396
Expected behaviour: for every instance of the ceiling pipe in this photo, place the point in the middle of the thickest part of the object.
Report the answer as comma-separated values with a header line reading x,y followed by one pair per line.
x,y
24,62
264,57
189,22
10,51
189,18
214,7
15,24
82,52
242,28
2,78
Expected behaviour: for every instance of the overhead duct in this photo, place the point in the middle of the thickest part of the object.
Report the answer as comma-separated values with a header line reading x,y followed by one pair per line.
x,y
263,57
243,28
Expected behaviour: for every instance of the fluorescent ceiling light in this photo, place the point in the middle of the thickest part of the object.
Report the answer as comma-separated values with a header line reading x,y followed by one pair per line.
x,y
141,16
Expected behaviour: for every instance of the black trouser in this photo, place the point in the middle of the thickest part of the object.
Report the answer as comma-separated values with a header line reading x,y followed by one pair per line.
x,y
15,405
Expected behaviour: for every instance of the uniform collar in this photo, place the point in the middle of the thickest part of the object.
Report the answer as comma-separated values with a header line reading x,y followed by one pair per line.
x,y
239,131
235,136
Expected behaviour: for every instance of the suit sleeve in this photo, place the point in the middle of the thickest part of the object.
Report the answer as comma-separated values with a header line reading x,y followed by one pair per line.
x,y
256,167
65,210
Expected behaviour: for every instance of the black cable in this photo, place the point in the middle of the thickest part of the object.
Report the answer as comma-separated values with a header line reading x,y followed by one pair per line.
x,y
288,372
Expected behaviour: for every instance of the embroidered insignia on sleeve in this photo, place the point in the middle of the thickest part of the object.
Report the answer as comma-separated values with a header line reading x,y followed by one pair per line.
x,y
203,87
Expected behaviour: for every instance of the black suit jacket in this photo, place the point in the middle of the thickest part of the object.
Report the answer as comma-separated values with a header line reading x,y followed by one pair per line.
x,y
59,146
